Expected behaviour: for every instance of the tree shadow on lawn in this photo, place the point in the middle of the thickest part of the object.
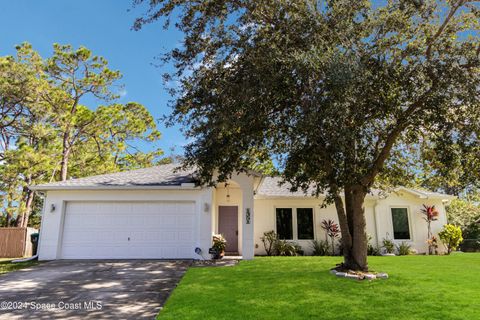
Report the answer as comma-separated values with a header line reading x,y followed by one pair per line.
x,y
419,287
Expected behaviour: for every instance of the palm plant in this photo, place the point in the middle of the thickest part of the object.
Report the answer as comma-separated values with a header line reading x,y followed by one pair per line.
x,y
332,231
327,225
430,214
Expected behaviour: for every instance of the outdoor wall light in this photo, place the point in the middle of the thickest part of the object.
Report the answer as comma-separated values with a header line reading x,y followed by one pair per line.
x,y
52,207
228,191
206,207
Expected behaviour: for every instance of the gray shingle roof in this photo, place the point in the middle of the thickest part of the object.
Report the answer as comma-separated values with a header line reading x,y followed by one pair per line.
x,y
158,176
271,187
169,176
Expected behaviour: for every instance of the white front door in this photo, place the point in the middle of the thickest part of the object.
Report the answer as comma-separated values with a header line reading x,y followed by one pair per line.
x,y
129,230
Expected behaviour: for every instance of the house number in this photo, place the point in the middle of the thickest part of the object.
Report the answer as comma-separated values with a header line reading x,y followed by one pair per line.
x,y
247,216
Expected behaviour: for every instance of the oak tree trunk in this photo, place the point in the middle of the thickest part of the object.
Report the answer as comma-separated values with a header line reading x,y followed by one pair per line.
x,y
352,224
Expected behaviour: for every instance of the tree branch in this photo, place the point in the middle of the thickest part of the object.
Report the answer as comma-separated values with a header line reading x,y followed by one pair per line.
x,y
440,30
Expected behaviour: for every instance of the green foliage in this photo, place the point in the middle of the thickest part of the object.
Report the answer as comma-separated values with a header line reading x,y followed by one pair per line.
x,y
269,239
6,265
388,245
272,76
320,247
463,212
470,245
276,247
286,248
451,237
472,231
404,249
47,134
343,94
372,250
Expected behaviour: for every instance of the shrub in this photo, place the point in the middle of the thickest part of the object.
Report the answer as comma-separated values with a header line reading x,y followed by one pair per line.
x,y
340,247
388,245
470,245
320,247
269,238
371,249
276,247
332,231
472,231
464,212
285,248
404,249
451,237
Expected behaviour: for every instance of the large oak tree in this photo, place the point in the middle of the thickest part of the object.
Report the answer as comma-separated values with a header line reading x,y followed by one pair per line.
x,y
341,92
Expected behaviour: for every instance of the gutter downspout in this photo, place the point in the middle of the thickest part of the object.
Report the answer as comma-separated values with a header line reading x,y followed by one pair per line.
x,y
258,185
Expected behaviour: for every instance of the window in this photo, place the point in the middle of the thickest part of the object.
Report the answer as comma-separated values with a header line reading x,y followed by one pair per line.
x,y
305,223
288,218
401,229
284,223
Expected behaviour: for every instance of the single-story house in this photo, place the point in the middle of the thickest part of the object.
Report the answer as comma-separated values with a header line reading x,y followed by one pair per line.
x,y
159,213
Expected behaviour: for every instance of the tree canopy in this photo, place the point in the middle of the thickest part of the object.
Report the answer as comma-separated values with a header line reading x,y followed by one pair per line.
x,y
344,94
48,134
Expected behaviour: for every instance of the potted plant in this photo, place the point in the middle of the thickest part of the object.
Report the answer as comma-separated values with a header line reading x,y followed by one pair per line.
x,y
219,244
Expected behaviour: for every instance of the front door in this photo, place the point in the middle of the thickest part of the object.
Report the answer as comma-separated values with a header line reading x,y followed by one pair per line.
x,y
228,226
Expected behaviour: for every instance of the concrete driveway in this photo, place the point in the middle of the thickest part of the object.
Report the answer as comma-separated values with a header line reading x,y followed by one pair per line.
x,y
133,289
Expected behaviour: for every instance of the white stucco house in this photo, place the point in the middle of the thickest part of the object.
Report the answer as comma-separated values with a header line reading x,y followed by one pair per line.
x,y
158,213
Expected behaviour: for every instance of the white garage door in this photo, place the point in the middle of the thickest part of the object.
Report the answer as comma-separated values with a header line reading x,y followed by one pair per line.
x,y
129,230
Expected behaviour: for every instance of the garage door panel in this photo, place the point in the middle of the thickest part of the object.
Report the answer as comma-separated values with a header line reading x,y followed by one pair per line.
x,y
100,230
168,221
185,236
185,208
185,221
153,219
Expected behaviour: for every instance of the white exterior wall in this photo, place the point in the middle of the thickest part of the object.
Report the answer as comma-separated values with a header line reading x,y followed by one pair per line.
x,y
52,222
377,212
207,200
418,226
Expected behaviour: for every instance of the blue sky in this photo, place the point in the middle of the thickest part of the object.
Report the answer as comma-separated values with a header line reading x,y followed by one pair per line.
x,y
103,26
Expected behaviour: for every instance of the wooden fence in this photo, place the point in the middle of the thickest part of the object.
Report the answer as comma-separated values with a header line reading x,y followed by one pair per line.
x,y
15,242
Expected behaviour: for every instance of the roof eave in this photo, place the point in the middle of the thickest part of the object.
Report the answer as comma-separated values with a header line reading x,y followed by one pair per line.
x,y
279,197
136,187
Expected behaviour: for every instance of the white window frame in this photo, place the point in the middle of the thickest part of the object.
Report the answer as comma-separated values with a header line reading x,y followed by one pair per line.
x,y
409,216
294,221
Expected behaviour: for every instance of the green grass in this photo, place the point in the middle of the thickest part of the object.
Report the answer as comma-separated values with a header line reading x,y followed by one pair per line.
x,y
7,266
419,287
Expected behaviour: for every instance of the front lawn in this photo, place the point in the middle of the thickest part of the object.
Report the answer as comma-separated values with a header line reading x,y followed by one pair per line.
x,y
420,287
6,265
